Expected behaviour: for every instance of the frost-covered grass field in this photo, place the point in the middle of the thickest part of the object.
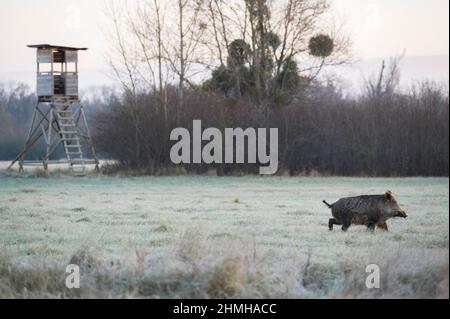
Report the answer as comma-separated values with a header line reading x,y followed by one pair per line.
x,y
209,237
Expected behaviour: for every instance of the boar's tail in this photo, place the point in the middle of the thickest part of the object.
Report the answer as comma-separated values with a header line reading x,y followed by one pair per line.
x,y
329,206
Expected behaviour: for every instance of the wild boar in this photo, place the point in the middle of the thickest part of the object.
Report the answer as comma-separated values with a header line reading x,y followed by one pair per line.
x,y
370,211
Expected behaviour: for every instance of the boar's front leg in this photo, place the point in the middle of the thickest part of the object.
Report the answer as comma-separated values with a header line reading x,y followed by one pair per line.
x,y
383,226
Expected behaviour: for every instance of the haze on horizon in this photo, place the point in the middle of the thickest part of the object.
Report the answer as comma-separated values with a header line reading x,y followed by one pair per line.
x,y
377,28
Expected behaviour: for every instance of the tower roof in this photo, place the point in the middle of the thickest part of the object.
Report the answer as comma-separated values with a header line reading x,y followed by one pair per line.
x,y
56,47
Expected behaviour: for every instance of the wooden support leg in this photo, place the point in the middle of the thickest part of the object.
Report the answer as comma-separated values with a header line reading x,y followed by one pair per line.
x,y
89,139
49,140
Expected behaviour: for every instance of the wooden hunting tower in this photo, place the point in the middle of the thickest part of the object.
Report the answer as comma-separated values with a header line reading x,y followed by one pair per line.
x,y
59,117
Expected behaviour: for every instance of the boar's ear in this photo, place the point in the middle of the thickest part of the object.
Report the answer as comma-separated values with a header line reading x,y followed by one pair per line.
x,y
389,195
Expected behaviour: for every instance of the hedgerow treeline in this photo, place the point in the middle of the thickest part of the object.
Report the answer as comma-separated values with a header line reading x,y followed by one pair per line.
x,y
381,133
16,109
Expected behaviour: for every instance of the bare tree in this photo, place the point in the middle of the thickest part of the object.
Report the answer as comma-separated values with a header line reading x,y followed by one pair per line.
x,y
387,80
299,34
147,23
124,64
182,46
136,57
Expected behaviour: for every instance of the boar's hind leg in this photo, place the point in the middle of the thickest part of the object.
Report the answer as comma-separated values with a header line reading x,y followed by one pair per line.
x,y
346,225
371,226
346,222
332,222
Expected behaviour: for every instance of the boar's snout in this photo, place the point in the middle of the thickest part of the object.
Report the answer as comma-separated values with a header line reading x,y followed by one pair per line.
x,y
402,214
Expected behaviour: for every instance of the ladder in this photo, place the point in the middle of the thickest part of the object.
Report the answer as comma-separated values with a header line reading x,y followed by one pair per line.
x,y
71,141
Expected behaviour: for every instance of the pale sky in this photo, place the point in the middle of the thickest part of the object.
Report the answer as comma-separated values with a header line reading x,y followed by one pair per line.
x,y
382,28
378,28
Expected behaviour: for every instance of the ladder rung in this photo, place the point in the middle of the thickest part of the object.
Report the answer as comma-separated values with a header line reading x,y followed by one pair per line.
x,y
74,153
69,132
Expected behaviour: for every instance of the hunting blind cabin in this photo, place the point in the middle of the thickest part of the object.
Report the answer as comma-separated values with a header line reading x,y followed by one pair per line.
x,y
59,117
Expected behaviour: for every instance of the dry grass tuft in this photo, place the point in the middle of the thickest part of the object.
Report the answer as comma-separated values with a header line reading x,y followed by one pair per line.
x,y
87,258
225,279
